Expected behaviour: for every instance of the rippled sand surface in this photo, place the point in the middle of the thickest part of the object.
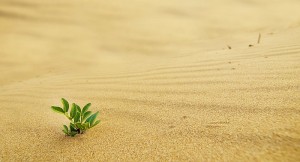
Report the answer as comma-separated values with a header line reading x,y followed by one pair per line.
x,y
173,80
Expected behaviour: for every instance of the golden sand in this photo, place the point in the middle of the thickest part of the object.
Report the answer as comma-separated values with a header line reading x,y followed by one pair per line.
x,y
161,74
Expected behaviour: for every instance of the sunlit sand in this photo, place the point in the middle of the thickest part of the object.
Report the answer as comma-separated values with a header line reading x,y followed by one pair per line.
x,y
173,80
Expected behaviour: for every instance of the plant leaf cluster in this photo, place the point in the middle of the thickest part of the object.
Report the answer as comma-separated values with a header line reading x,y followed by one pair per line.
x,y
80,119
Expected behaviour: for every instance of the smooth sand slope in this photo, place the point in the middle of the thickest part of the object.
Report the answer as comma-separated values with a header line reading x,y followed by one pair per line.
x,y
161,75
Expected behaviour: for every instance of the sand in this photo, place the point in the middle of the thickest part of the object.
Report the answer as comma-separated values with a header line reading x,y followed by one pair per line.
x,y
161,74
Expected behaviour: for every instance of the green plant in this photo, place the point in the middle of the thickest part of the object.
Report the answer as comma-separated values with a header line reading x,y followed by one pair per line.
x,y
80,119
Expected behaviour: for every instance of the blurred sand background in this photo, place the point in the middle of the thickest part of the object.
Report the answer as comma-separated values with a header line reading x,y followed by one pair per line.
x,y
161,74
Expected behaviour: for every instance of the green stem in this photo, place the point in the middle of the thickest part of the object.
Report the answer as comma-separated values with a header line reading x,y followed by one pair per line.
x,y
68,116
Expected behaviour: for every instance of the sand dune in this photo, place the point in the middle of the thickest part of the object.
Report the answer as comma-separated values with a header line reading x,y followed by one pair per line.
x,y
161,75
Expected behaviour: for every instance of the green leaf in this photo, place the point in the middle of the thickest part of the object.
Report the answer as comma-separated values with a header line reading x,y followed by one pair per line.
x,y
97,122
92,118
86,107
86,125
73,111
66,128
67,133
57,109
86,114
65,104
78,108
72,134
72,127
80,126
77,117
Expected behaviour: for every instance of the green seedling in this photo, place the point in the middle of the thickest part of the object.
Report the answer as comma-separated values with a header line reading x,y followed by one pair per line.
x,y
80,119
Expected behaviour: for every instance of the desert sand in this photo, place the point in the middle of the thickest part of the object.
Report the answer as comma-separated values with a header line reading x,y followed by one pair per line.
x,y
160,72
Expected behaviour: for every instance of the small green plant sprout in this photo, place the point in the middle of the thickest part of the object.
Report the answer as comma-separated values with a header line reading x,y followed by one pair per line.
x,y
80,119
